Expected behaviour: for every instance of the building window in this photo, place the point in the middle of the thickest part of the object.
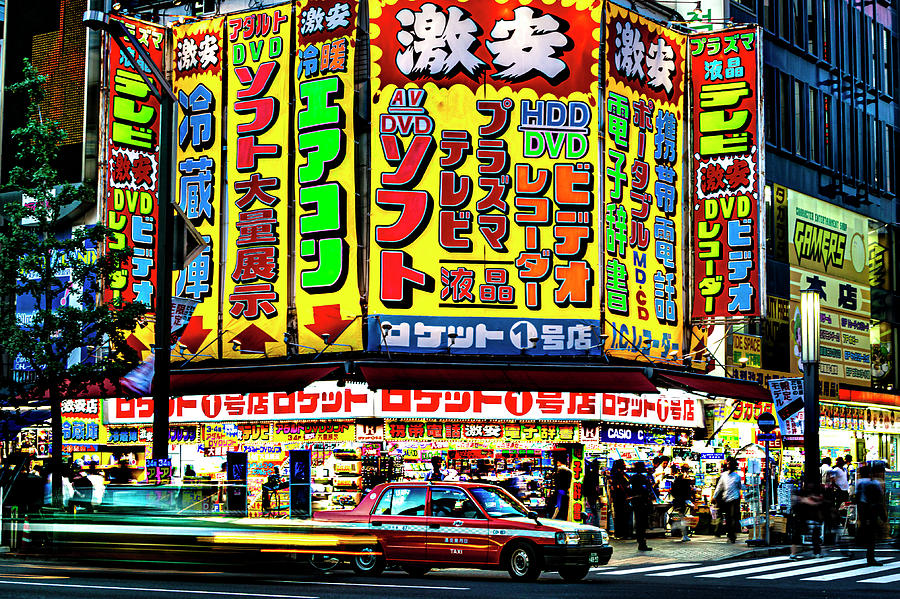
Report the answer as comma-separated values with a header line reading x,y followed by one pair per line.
x,y
887,62
890,158
813,19
815,153
785,133
799,120
827,130
870,51
785,18
799,22
848,138
771,104
827,29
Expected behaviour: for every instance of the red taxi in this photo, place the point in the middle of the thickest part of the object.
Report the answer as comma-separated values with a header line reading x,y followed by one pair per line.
x,y
425,525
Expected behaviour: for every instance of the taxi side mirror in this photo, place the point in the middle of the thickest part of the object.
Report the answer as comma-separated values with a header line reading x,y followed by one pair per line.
x,y
533,515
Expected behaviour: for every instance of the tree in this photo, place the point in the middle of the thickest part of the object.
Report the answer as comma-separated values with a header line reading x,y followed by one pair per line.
x,y
70,340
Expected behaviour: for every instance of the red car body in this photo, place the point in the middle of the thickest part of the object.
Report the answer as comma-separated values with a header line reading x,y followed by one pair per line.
x,y
424,525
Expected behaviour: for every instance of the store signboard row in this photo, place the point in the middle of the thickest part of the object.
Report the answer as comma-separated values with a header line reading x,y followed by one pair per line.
x,y
488,234
324,400
840,417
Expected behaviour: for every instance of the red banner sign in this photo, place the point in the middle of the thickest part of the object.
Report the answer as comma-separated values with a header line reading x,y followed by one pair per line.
x,y
132,163
729,256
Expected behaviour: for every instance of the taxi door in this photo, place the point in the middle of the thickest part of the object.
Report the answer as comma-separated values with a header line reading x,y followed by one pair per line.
x,y
399,520
458,531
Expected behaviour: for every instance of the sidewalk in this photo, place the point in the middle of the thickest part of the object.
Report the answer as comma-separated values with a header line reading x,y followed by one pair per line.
x,y
699,549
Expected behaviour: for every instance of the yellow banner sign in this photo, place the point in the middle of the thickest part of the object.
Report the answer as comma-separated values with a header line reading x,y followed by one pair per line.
x,y
256,264
643,213
197,79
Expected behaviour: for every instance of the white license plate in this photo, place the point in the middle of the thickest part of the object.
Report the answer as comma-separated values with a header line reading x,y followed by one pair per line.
x,y
594,559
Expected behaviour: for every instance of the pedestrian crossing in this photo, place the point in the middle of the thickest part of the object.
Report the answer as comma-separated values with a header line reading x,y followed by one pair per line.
x,y
827,569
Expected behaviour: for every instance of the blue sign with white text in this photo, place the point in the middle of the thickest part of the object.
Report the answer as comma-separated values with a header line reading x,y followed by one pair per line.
x,y
485,336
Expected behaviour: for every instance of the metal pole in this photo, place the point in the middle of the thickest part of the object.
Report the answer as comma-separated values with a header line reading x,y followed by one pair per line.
x,y
767,502
811,421
162,342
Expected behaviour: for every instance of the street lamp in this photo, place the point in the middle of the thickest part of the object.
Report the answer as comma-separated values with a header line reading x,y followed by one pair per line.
x,y
163,313
810,312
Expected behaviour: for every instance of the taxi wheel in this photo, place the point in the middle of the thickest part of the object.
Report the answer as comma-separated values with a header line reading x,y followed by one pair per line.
x,y
574,573
369,563
522,562
416,571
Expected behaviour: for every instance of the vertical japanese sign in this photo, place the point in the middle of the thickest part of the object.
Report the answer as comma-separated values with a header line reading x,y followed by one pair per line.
x,y
132,167
729,236
256,263
484,214
326,241
644,150
197,80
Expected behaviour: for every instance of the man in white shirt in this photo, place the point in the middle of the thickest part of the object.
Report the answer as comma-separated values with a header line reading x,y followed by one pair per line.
x,y
728,495
841,481
825,470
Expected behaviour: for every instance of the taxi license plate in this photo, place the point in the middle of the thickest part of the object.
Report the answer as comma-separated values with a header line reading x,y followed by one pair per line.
x,y
594,559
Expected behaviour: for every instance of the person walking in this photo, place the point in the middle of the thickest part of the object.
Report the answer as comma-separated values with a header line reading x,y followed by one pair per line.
x,y
642,498
562,480
807,515
728,495
682,494
871,512
619,490
590,489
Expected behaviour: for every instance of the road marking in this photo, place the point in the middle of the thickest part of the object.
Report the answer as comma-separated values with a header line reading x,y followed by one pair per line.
x,y
376,586
813,570
883,579
767,568
149,590
856,572
651,569
731,566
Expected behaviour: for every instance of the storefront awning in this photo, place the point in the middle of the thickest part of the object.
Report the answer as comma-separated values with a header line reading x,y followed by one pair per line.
x,y
876,398
713,385
237,380
218,381
507,377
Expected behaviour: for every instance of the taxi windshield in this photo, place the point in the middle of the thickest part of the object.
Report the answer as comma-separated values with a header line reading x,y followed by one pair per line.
x,y
498,504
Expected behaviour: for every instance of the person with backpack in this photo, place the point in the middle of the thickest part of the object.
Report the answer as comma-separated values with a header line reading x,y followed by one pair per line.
x,y
642,498
728,496
682,494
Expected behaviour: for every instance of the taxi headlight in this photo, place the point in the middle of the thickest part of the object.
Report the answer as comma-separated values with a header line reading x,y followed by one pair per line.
x,y
567,538
604,537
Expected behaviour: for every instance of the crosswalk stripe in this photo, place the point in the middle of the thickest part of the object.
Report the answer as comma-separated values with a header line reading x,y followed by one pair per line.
x,y
729,566
766,568
856,572
803,571
883,579
651,569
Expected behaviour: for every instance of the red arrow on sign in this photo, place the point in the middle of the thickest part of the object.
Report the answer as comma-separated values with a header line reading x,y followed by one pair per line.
x,y
327,320
253,339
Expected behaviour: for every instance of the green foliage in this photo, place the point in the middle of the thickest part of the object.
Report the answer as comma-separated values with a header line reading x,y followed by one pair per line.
x,y
41,261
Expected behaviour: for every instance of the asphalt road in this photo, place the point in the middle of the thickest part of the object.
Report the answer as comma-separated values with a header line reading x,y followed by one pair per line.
x,y
833,576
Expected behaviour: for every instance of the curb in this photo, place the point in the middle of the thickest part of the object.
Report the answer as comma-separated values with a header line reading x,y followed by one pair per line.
x,y
772,551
